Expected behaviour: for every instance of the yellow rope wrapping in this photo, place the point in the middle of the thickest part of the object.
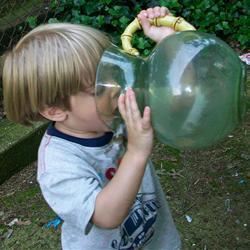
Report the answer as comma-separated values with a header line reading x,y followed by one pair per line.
x,y
126,37
177,23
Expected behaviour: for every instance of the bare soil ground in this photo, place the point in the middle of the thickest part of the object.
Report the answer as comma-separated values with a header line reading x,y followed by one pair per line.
x,y
208,192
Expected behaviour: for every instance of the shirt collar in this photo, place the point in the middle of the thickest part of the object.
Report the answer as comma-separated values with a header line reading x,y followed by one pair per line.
x,y
87,142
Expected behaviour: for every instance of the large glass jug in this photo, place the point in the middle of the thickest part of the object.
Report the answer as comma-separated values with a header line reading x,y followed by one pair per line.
x,y
193,82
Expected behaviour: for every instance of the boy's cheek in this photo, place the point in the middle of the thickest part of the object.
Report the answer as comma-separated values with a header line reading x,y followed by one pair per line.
x,y
102,124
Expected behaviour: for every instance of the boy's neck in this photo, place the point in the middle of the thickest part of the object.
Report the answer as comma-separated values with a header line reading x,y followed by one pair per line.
x,y
77,133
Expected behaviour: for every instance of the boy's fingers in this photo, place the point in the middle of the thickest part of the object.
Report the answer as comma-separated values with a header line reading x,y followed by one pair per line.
x,y
144,13
157,11
144,22
146,120
150,12
121,106
164,11
136,116
129,111
128,107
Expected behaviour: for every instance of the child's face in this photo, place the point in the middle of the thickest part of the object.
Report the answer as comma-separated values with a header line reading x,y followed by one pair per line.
x,y
107,102
83,116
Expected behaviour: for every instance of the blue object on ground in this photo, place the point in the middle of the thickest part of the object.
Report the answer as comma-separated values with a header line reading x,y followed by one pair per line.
x,y
53,223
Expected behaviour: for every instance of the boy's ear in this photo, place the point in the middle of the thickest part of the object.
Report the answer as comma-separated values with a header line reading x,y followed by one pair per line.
x,y
54,114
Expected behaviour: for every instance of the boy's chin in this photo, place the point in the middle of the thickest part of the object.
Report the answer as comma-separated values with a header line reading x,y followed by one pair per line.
x,y
106,129
103,128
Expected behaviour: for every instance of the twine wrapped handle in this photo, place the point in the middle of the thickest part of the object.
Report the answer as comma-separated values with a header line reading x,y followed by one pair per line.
x,y
176,23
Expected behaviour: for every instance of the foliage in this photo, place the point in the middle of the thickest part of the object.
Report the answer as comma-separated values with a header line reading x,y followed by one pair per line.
x,y
109,16
226,19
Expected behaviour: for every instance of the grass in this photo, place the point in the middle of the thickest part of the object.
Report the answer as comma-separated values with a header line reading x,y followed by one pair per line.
x,y
209,186
30,208
213,189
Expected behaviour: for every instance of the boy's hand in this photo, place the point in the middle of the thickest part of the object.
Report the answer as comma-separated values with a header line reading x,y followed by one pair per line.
x,y
153,32
140,132
125,184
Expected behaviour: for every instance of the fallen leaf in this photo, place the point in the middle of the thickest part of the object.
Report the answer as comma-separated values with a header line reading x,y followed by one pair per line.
x,y
23,223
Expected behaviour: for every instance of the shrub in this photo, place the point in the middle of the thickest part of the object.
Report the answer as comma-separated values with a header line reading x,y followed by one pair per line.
x,y
226,19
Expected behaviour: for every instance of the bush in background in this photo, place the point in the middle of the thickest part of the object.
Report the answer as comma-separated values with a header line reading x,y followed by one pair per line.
x,y
227,19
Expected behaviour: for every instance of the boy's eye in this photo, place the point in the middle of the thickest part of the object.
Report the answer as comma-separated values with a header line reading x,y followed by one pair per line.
x,y
116,95
91,93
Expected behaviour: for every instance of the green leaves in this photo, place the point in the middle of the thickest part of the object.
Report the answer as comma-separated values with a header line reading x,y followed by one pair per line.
x,y
53,20
115,11
124,21
171,4
79,2
227,19
32,21
99,22
142,43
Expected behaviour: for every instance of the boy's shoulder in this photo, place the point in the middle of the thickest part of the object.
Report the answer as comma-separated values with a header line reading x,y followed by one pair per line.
x,y
52,145
64,150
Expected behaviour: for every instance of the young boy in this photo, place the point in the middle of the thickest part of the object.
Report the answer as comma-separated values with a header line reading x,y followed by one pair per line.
x,y
108,196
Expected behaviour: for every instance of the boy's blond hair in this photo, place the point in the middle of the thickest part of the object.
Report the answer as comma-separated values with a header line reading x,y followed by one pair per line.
x,y
47,66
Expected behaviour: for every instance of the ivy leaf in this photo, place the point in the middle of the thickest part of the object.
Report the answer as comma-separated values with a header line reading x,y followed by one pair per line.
x,y
53,20
225,25
90,8
105,1
124,21
32,21
218,26
114,23
215,8
141,43
79,2
100,21
85,19
115,11
53,4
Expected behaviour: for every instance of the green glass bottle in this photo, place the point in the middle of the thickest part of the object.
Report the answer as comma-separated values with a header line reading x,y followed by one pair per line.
x,y
193,82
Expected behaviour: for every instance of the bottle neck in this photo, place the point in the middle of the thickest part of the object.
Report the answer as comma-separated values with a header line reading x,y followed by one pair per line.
x,y
116,72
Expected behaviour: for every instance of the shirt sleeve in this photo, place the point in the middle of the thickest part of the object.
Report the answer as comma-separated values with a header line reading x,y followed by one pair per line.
x,y
70,188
